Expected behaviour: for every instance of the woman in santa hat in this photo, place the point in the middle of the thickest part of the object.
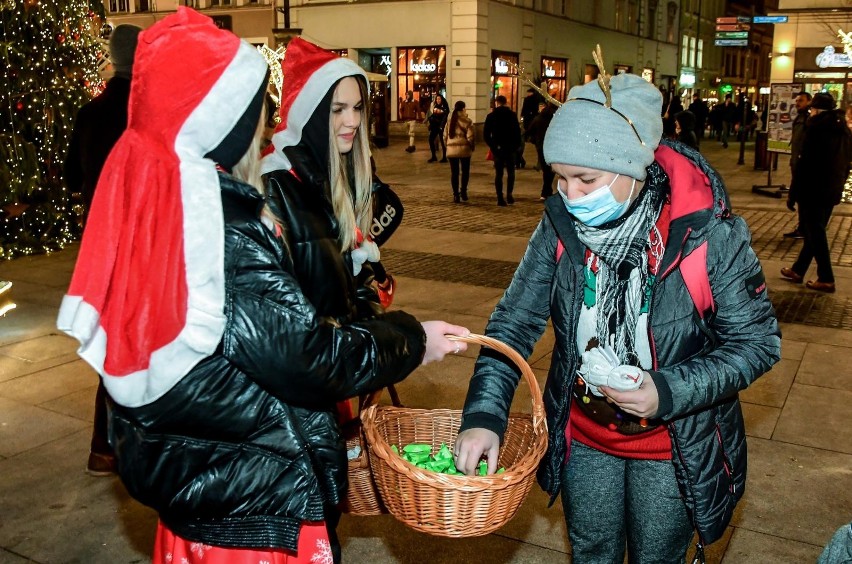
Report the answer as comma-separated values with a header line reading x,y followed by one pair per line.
x,y
222,371
319,176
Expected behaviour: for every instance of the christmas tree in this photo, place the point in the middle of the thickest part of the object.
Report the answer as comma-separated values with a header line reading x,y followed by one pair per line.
x,y
51,52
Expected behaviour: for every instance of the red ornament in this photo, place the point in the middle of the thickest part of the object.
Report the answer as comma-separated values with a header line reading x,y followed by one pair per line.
x,y
19,105
76,35
91,14
60,38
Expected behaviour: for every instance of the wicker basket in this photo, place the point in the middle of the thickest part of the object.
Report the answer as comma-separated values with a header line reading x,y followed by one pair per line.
x,y
362,499
454,506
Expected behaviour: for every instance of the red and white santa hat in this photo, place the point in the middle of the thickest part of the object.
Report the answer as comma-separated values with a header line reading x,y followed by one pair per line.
x,y
309,73
146,300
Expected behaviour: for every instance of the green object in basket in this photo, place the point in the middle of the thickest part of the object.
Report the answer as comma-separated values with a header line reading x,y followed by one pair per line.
x,y
442,461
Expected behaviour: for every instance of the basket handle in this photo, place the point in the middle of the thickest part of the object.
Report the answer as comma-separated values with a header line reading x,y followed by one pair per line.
x,y
539,422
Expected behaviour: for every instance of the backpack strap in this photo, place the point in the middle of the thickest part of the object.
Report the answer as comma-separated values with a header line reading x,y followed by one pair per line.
x,y
693,268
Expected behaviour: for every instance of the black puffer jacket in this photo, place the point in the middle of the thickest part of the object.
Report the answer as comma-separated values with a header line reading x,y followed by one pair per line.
x,y
823,164
246,446
698,381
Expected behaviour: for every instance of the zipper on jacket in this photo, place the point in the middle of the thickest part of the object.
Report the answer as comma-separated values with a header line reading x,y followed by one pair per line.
x,y
725,462
699,545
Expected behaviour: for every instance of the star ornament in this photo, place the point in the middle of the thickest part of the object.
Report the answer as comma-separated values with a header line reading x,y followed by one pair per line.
x,y
276,77
846,38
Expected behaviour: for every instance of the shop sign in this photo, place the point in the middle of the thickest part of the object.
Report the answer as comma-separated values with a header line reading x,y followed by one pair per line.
x,y
830,58
648,74
501,66
423,67
769,19
687,79
385,62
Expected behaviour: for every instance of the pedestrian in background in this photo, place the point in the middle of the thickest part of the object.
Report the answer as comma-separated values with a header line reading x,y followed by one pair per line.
x,y
222,411
685,129
529,109
699,109
502,134
729,118
817,186
409,112
674,108
459,139
437,120
97,128
536,134
802,105
646,438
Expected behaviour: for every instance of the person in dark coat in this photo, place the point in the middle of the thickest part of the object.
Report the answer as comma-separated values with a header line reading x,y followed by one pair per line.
x,y
502,134
729,118
439,111
536,134
646,437
101,122
674,108
699,109
817,186
529,110
98,126
223,399
685,129
802,105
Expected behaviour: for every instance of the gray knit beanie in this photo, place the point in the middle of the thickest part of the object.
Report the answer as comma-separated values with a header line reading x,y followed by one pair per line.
x,y
122,48
586,133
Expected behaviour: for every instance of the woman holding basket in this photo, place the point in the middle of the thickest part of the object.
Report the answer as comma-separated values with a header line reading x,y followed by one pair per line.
x,y
222,367
646,439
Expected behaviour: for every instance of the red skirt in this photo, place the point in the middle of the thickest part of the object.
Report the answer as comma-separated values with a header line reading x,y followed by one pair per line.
x,y
313,548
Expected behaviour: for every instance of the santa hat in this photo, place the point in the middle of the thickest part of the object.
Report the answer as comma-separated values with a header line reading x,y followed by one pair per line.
x,y
309,73
146,300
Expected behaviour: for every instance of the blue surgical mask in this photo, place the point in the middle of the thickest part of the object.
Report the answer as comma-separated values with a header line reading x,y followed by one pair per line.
x,y
598,207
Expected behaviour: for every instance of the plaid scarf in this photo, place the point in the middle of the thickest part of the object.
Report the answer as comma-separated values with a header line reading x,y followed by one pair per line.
x,y
622,248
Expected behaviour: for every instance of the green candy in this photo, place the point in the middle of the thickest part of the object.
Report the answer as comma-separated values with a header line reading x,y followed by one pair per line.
x,y
415,448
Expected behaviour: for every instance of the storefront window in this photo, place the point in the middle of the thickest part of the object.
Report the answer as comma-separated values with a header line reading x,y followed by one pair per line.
x,y
504,77
590,74
555,73
341,52
423,71
622,69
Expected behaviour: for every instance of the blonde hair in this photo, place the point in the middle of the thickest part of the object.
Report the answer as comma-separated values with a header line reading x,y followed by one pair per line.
x,y
352,208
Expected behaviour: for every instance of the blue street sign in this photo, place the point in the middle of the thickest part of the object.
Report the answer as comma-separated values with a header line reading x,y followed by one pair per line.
x,y
731,42
769,19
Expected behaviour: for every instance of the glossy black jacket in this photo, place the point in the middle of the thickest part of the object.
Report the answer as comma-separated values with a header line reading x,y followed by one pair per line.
x,y
246,447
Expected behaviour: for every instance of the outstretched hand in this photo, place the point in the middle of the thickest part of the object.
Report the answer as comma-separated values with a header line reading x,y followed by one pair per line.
x,y
470,447
437,344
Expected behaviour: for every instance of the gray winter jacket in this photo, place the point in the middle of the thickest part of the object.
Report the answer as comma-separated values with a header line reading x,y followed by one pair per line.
x,y
699,368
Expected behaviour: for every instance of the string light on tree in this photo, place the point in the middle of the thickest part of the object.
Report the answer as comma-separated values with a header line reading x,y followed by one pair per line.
x,y
50,69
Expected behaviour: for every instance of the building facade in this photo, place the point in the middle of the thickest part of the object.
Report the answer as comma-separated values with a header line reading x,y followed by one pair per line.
x,y
471,50
814,49
474,50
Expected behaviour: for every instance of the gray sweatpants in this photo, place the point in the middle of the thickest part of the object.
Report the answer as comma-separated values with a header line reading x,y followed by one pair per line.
x,y
611,502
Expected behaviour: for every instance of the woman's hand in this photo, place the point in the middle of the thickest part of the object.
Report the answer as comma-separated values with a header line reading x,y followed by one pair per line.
x,y
437,344
471,445
643,402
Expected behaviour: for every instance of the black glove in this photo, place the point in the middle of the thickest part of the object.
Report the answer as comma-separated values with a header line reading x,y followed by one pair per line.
x,y
791,205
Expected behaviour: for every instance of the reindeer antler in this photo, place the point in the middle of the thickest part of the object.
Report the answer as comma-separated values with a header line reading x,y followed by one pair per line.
x,y
527,77
603,76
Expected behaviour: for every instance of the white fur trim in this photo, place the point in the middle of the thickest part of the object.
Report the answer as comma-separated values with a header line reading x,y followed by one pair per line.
x,y
305,105
204,246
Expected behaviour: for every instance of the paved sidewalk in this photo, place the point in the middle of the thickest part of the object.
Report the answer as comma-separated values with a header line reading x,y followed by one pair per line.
x,y
452,262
